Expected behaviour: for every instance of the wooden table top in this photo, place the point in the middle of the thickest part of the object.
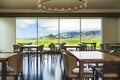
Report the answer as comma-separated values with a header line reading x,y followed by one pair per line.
x,y
30,46
115,45
89,42
72,45
94,56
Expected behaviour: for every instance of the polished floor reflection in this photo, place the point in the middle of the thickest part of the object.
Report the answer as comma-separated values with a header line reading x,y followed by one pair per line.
x,y
47,67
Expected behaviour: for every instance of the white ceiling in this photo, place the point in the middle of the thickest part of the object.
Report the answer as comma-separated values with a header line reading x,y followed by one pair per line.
x,y
31,6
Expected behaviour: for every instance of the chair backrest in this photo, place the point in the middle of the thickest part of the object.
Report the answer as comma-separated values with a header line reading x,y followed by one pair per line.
x,y
16,63
89,46
83,47
52,46
16,47
70,63
62,46
41,47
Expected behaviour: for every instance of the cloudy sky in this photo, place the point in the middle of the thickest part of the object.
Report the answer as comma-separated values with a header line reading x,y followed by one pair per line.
x,y
27,28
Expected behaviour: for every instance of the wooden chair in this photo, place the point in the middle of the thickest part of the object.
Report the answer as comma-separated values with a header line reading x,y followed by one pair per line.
x,y
52,51
40,49
52,47
14,67
16,48
62,46
38,52
71,68
107,71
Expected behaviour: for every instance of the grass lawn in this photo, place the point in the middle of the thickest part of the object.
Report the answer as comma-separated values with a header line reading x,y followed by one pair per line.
x,y
69,41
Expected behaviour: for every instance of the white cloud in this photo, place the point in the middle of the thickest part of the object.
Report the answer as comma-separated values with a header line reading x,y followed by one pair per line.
x,y
25,23
51,25
88,25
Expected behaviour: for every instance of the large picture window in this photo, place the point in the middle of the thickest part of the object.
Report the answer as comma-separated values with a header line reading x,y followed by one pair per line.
x,y
71,30
47,31
26,30
91,30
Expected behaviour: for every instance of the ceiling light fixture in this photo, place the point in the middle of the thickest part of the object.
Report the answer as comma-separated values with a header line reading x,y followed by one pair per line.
x,y
62,5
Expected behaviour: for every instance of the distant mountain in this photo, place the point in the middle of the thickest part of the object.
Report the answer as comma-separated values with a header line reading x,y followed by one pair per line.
x,y
69,34
72,34
91,34
77,34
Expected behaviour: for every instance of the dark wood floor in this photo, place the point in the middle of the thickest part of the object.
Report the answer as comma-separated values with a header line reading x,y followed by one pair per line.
x,y
47,67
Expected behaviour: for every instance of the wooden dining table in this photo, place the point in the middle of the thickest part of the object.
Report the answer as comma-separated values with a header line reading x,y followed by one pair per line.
x,y
29,47
92,45
3,59
92,57
72,46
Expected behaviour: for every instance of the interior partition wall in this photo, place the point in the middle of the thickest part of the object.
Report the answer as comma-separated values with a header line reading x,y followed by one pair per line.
x,y
7,34
110,30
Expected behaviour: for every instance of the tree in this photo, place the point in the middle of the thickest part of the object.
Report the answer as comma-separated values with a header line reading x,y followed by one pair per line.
x,y
51,36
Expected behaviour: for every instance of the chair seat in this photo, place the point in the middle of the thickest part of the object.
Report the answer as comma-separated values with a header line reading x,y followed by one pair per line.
x,y
110,73
87,72
72,71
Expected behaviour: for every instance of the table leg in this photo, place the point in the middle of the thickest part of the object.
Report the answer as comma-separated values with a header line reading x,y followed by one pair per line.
x,y
37,62
28,63
4,71
81,70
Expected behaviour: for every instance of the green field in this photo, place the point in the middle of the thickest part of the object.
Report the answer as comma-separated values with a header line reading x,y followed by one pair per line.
x,y
69,41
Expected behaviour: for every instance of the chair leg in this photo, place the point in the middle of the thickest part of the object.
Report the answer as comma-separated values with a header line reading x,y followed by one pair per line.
x,y
67,78
16,77
64,77
86,78
92,78
22,77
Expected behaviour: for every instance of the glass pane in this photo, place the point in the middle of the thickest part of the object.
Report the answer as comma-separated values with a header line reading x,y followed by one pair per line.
x,y
26,30
47,31
91,31
70,31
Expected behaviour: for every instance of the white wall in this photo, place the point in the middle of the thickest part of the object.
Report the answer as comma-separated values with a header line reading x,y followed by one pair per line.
x,y
8,34
110,30
119,30
0,35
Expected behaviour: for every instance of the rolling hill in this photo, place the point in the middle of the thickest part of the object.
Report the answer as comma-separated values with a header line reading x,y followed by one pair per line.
x,y
83,34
